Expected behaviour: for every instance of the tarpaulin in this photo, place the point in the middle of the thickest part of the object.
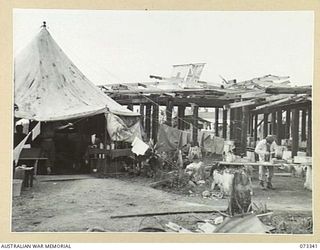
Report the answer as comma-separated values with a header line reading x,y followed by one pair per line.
x,y
49,87
17,150
36,131
171,139
211,143
123,129
242,224
139,147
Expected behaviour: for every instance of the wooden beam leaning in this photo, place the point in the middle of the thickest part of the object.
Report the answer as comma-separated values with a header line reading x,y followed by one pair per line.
x,y
284,106
273,103
240,104
295,98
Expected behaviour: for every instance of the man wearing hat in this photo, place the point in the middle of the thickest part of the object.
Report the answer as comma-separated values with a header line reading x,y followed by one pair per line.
x,y
265,149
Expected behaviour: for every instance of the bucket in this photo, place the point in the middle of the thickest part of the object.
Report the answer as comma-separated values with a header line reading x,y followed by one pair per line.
x,y
16,187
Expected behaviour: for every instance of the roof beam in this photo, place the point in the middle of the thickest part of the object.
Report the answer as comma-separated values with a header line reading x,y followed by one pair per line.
x,y
201,102
289,90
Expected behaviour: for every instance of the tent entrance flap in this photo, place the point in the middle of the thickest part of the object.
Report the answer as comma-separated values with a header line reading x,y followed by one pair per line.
x,y
121,128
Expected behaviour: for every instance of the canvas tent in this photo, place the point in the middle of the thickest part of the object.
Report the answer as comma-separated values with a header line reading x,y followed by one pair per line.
x,y
49,87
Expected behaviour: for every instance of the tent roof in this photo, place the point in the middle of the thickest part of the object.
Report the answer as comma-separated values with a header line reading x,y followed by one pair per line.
x,y
48,86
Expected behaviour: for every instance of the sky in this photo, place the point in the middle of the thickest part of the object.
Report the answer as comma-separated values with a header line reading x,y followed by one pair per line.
x,y
128,46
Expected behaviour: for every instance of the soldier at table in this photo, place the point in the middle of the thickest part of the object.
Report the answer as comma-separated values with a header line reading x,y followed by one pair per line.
x,y
266,150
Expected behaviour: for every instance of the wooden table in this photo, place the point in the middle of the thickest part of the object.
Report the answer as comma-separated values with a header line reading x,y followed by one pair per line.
x,y
254,164
32,154
112,153
100,157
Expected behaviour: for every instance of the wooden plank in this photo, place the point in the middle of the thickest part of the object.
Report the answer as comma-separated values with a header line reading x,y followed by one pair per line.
x,y
295,132
240,104
273,103
167,213
162,100
292,105
289,90
278,97
254,164
154,90
254,94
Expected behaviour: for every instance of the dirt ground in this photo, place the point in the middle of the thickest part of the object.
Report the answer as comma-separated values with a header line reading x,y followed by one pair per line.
x,y
78,203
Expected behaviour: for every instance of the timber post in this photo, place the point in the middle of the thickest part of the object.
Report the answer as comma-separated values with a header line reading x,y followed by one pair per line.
x,y
195,115
288,123
216,124
155,122
295,131
169,109
224,124
309,141
148,120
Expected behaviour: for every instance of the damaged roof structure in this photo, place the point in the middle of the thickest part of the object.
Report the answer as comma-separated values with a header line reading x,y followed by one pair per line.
x,y
245,105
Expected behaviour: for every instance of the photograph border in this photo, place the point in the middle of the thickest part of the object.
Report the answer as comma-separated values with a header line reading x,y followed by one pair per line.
x,y
6,109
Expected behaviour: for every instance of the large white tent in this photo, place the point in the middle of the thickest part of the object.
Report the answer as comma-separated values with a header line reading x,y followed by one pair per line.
x,y
49,87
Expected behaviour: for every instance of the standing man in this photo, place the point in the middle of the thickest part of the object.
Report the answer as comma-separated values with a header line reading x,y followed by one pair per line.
x,y
266,149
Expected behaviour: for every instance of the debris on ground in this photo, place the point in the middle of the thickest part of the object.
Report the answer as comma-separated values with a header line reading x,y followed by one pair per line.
x,y
96,229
